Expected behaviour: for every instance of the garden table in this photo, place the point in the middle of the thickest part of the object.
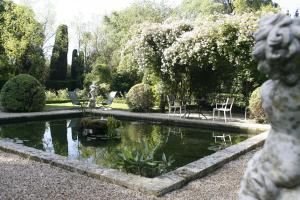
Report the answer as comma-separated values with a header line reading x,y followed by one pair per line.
x,y
199,103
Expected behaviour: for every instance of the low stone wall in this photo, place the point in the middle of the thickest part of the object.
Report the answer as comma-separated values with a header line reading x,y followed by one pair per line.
x,y
207,124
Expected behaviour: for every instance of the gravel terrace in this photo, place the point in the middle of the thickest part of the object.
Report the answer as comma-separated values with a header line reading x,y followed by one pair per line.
x,y
26,179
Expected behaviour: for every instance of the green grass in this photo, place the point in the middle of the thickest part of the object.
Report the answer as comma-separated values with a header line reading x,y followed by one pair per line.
x,y
121,106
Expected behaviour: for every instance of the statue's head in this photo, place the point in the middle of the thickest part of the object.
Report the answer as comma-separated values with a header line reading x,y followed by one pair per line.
x,y
277,48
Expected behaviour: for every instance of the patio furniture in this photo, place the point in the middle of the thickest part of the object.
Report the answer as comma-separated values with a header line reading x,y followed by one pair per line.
x,y
109,99
75,100
188,105
200,103
224,107
174,104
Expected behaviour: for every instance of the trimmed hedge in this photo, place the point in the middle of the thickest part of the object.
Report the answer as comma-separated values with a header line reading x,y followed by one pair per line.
x,y
255,106
140,97
23,93
57,85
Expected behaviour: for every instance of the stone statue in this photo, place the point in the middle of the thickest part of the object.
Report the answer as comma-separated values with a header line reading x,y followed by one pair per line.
x,y
274,172
92,95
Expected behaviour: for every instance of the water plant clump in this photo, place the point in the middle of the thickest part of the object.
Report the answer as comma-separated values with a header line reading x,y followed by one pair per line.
x,y
142,162
99,128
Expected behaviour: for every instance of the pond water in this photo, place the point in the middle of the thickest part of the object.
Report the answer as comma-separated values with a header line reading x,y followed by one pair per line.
x,y
142,145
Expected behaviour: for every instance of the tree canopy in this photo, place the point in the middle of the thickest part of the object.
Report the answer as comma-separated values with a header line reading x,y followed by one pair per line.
x,y
21,41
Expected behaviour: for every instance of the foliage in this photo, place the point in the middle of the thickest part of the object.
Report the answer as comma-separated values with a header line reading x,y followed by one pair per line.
x,y
123,81
56,95
21,40
33,63
142,162
112,124
103,90
193,8
100,74
211,56
244,6
77,68
74,65
255,106
23,93
58,63
57,84
62,94
140,97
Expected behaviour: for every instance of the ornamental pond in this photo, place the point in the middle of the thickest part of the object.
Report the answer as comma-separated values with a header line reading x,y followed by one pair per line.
x,y
144,148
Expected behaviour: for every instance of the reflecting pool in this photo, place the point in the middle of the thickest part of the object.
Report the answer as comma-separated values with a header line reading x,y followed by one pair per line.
x,y
142,145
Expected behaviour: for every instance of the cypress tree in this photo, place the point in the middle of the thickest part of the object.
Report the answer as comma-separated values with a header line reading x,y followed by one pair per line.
x,y
59,62
75,65
81,67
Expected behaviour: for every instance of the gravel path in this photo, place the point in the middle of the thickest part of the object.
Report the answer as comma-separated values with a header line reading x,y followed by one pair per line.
x,y
223,184
26,179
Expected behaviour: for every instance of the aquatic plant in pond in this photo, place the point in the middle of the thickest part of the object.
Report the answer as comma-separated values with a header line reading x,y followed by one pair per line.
x,y
101,128
142,162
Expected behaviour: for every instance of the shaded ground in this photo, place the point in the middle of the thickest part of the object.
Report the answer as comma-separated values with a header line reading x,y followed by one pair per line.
x,y
26,179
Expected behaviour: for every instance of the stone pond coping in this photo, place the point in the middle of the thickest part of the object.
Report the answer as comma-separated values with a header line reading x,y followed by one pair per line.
x,y
191,122
157,186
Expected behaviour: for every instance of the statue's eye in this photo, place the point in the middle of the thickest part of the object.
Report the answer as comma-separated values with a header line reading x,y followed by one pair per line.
x,y
278,35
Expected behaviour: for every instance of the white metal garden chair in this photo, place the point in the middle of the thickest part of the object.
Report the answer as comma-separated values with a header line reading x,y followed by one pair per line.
x,y
106,103
173,104
224,107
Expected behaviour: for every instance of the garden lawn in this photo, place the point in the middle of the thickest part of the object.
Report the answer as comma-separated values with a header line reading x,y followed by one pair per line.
x,y
121,106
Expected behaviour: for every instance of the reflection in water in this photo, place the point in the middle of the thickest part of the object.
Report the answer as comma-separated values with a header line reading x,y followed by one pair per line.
x,y
31,134
72,144
47,139
61,137
222,136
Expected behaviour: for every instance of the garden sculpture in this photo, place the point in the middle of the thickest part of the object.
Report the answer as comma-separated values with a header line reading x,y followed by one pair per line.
x,y
274,172
92,95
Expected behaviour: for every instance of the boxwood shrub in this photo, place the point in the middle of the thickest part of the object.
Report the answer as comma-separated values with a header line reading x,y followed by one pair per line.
x,y
22,93
140,97
255,106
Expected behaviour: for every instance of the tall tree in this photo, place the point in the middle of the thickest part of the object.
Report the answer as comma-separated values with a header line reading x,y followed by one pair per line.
x,y
74,65
59,60
20,36
33,62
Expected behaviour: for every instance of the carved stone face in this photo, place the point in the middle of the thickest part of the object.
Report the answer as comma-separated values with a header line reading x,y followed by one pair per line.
x,y
278,48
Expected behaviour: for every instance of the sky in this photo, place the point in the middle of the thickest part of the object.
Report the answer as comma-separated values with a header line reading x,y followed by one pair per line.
x,y
290,5
68,11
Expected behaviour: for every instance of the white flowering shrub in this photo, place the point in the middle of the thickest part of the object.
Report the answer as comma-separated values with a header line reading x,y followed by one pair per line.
x,y
210,55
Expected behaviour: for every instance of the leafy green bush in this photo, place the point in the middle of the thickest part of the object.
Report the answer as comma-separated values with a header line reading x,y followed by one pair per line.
x,y
57,96
140,97
143,162
23,93
62,95
255,107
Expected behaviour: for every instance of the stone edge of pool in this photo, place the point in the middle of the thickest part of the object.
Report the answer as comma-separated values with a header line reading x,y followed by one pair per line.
x,y
157,186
